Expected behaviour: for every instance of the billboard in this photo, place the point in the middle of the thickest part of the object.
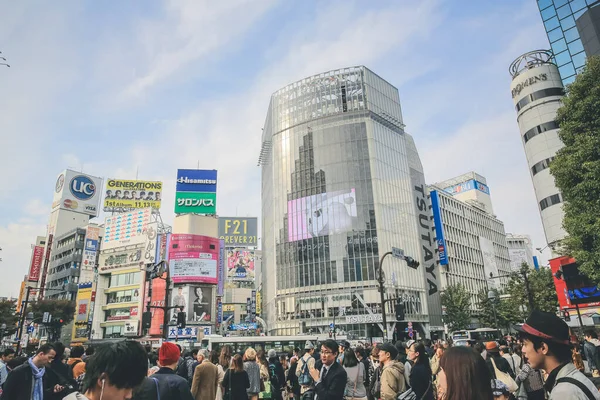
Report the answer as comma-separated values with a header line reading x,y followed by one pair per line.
x,y
221,266
75,191
193,258
132,194
517,258
92,236
179,298
109,262
159,292
36,263
200,304
490,267
126,228
321,214
238,231
82,311
466,186
240,264
196,191
439,228
573,288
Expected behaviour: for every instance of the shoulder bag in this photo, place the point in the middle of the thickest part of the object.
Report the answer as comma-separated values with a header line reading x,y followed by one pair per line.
x,y
505,378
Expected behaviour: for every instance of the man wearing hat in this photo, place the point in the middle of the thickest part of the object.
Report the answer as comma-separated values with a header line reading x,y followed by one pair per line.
x,y
343,346
393,380
305,364
546,345
493,353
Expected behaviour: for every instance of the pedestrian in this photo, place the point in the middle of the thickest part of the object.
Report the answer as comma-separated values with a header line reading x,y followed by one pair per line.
x,y
113,372
546,345
576,357
516,355
495,361
591,351
292,379
355,370
505,353
191,362
206,378
236,381
14,363
330,379
264,365
374,390
30,381
343,346
361,356
253,371
164,384
531,383
435,360
276,375
408,363
214,358
500,390
75,362
296,354
463,376
305,364
420,375
5,357
89,351
393,379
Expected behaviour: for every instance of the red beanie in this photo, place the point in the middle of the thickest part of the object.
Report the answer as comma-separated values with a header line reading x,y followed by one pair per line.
x,y
168,354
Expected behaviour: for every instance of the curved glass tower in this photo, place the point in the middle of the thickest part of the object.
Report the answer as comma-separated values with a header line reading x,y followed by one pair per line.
x,y
340,187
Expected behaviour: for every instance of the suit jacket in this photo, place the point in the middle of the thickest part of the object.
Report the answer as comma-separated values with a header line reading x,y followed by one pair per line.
x,y
169,384
18,385
206,379
334,384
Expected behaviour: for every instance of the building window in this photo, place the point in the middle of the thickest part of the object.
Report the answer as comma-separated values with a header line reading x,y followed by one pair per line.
x,y
124,279
123,296
550,201
540,94
542,165
536,130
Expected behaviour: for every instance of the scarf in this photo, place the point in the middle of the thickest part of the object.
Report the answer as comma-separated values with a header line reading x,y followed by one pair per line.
x,y
38,384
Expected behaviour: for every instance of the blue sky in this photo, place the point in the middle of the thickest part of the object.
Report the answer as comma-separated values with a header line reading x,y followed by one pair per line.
x,y
112,88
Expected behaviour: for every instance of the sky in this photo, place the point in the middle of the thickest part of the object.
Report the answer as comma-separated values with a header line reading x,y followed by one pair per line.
x,y
119,89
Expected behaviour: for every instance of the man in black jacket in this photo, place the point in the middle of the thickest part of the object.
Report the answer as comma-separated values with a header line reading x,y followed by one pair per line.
x,y
277,375
330,381
21,382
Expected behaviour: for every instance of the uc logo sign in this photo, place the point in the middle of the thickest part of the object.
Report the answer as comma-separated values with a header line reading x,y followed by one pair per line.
x,y
82,187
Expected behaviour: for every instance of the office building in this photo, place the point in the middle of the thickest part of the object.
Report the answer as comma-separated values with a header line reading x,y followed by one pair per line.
x,y
472,244
537,91
520,250
341,185
568,24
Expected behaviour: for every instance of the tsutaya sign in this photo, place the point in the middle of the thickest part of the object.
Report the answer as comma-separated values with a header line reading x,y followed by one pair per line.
x,y
528,82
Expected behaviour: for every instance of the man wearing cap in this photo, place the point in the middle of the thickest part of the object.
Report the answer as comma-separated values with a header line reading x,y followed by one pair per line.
x,y
493,353
305,364
393,379
165,381
546,345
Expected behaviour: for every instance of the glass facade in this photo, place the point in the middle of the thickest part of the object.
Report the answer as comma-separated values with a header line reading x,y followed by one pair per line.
x,y
559,18
336,195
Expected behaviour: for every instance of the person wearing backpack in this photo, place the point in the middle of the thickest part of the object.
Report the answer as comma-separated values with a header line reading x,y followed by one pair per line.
x,y
307,384
591,351
76,363
276,375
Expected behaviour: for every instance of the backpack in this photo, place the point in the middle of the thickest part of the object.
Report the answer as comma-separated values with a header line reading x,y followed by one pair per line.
x,y
305,379
376,384
273,376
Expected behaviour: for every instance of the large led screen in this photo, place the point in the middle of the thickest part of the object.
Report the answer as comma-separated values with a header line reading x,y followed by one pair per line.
x,y
321,214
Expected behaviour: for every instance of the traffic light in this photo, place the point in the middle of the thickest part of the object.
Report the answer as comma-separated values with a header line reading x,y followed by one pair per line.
x,y
146,319
399,311
411,262
566,316
181,320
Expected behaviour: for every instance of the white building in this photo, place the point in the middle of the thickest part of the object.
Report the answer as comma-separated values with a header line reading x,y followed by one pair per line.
x,y
471,244
537,91
471,188
520,250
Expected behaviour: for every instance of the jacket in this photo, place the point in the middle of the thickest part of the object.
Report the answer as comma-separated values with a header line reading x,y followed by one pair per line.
x,y
333,385
253,370
590,351
420,382
18,385
77,365
206,379
501,364
566,390
392,381
170,385
310,361
279,372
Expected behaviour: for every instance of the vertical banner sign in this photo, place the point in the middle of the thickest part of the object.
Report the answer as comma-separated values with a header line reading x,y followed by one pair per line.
x,y
439,228
159,292
253,307
221,282
258,303
36,263
248,309
219,310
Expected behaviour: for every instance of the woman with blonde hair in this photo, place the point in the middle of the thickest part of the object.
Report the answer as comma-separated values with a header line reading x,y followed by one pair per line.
x,y
253,370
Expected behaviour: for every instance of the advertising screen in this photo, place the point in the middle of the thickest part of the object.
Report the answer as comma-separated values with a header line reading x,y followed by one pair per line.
x,y
75,191
200,304
240,264
238,231
193,258
36,263
321,214
180,297
573,288
159,292
132,194
126,228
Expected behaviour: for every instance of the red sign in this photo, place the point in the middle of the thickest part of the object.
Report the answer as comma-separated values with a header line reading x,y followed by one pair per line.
x,y
36,263
159,293
561,287
133,311
194,258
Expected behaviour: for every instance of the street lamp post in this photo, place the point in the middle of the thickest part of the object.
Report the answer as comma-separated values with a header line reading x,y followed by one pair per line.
x,y
492,298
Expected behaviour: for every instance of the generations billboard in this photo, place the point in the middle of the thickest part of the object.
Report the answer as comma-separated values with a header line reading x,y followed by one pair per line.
x,y
240,232
321,214
240,264
78,192
126,228
196,191
36,263
132,194
194,259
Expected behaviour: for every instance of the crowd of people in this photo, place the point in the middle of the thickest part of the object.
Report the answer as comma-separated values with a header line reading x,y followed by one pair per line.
x,y
543,363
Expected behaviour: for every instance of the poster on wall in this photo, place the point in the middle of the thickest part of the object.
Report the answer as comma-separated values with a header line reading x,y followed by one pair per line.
x,y
490,267
200,304
240,264
321,214
179,299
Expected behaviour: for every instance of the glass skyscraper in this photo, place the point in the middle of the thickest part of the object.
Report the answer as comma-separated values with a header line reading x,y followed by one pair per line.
x,y
559,18
341,184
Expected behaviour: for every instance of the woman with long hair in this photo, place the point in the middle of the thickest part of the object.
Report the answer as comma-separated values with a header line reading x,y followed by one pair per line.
x,y
225,357
236,380
355,370
420,373
264,365
214,358
463,376
253,370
